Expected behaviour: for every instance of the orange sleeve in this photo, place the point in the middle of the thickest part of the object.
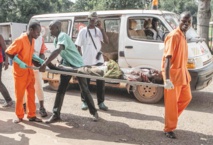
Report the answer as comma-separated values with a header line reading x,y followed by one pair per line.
x,y
15,47
170,45
43,47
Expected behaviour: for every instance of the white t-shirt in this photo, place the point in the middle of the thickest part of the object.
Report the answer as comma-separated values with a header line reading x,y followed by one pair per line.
x,y
37,45
88,49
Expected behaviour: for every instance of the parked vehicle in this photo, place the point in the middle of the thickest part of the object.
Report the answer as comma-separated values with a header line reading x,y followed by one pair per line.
x,y
211,35
11,30
139,50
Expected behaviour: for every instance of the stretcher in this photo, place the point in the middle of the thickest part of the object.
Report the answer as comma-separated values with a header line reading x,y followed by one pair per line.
x,y
109,80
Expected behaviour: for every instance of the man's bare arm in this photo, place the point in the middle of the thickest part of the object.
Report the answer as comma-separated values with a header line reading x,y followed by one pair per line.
x,y
79,50
52,56
167,66
3,46
105,37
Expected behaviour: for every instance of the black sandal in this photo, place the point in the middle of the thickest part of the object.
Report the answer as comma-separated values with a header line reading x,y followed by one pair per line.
x,y
35,119
170,134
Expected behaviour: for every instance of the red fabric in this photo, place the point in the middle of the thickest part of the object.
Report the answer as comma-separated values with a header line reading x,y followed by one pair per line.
x,y
1,55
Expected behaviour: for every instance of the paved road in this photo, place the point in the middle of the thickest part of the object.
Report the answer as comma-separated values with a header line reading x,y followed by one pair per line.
x,y
127,121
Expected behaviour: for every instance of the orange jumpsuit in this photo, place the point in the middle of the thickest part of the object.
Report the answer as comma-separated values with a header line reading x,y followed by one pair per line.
x,y
177,99
23,78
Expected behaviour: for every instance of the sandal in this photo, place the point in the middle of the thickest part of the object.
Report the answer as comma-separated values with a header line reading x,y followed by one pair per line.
x,y
35,119
42,112
170,134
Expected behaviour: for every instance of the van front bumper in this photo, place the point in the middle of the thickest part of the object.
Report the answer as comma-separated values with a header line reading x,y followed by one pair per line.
x,y
201,78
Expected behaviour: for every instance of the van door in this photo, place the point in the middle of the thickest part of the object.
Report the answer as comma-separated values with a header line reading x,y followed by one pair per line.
x,y
142,44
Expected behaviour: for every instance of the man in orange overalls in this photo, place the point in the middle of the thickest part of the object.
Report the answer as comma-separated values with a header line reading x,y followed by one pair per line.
x,y
21,51
154,4
177,93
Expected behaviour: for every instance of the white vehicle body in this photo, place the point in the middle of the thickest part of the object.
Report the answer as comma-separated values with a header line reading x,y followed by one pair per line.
x,y
140,52
11,30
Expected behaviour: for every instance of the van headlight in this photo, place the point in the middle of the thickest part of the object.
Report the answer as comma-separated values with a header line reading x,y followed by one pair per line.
x,y
191,64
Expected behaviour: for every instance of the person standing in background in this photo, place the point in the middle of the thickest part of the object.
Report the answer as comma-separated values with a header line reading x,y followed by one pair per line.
x,y
89,45
154,4
177,92
4,64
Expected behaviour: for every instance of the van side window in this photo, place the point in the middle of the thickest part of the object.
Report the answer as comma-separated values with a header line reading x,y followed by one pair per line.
x,y
146,28
78,25
45,32
112,28
135,30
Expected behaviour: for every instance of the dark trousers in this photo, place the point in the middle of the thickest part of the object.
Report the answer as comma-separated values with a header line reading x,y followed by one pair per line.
x,y
64,82
3,89
100,87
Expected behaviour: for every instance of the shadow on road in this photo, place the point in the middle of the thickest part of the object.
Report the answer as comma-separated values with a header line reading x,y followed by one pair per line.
x,y
82,128
135,116
8,128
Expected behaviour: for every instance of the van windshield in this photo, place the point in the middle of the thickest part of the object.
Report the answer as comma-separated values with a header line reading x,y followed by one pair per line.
x,y
173,21
45,32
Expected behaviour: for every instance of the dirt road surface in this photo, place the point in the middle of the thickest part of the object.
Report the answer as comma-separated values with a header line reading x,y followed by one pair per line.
x,y
126,122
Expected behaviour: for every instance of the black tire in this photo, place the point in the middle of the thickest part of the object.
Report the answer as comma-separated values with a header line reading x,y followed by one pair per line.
x,y
54,85
148,94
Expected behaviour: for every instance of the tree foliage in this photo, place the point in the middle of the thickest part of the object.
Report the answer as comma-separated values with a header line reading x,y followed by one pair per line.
x,y
22,11
89,5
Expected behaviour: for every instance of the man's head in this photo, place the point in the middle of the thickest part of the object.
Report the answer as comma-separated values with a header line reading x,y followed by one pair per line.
x,y
185,21
92,17
55,28
155,76
154,23
34,29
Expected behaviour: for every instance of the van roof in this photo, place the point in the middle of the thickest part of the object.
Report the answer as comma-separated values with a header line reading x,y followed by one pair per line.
x,y
10,23
102,13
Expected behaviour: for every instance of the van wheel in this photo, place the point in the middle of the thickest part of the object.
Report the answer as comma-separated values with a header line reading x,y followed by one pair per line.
x,y
148,94
54,85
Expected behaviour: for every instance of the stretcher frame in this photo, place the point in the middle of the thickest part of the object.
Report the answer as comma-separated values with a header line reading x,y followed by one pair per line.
x,y
108,80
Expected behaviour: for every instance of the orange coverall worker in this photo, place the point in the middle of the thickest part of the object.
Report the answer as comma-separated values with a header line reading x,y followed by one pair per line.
x,y
23,78
155,2
177,99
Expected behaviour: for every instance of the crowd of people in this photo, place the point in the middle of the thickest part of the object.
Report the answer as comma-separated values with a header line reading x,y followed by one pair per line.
x,y
86,51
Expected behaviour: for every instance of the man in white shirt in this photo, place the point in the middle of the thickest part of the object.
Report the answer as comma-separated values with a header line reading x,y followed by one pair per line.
x,y
89,45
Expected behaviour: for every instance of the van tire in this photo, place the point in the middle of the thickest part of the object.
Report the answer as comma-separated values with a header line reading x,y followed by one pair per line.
x,y
148,94
54,85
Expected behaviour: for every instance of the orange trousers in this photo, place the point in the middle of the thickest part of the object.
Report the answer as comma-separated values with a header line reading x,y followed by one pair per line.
x,y
22,84
175,100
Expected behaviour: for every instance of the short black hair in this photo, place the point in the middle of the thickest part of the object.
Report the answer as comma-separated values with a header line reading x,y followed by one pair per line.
x,y
186,14
57,23
154,20
34,25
